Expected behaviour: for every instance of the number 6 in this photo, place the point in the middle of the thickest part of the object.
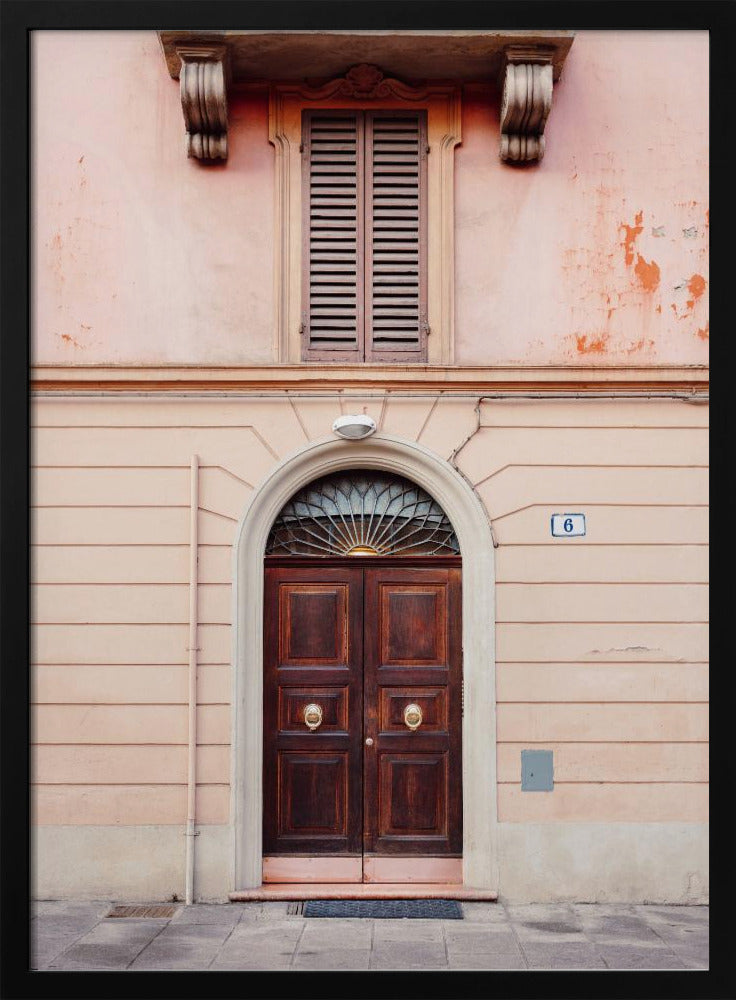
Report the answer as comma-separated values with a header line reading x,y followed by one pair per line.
x,y
567,524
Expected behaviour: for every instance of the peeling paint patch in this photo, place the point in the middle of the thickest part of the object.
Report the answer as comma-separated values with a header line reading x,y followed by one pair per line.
x,y
628,649
658,231
640,345
630,235
690,233
704,333
597,346
696,285
68,340
648,273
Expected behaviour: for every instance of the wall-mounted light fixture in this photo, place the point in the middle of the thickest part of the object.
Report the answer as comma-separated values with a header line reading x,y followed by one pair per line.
x,y
354,426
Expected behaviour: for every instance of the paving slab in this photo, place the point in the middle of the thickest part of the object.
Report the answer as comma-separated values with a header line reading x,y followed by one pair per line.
x,y
206,933
336,933
227,914
407,930
628,957
493,913
478,937
397,956
330,960
264,936
46,948
673,914
561,955
511,961
252,963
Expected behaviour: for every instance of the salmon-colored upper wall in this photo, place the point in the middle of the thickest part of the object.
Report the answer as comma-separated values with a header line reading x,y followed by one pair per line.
x,y
141,254
596,255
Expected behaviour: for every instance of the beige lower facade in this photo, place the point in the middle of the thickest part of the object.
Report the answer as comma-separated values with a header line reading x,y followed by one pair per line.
x,y
594,647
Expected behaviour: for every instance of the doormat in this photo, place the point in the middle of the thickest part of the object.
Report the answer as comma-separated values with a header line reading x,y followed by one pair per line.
x,y
385,909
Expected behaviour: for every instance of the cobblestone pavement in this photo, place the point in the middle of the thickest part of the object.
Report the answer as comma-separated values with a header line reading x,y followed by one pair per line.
x,y
492,936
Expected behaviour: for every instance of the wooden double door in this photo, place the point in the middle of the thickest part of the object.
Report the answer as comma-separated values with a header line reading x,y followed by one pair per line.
x,y
362,713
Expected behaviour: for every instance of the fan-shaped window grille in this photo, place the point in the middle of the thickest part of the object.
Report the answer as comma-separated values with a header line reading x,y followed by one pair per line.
x,y
362,513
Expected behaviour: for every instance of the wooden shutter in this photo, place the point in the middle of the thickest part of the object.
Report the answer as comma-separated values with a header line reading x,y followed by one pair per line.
x,y
396,236
332,195
364,224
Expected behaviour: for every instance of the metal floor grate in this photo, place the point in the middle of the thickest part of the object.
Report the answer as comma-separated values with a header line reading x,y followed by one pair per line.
x,y
295,909
383,909
145,910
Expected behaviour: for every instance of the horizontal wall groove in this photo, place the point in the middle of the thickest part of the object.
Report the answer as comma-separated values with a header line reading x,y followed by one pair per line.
x,y
127,784
601,503
555,621
612,663
138,704
115,746
145,427
600,545
583,427
583,743
119,665
112,506
610,781
600,701
118,583
623,743
605,583
125,545
114,465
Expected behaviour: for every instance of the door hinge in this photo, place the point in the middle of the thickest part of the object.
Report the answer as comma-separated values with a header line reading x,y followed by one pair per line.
x,y
301,147
462,698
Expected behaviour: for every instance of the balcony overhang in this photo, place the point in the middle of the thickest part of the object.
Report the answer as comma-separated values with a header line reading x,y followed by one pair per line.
x,y
525,63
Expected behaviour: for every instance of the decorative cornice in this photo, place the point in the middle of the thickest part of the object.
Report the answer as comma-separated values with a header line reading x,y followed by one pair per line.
x,y
202,82
363,82
575,380
526,102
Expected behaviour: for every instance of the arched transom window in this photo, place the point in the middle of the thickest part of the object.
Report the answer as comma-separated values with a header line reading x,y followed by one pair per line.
x,y
362,512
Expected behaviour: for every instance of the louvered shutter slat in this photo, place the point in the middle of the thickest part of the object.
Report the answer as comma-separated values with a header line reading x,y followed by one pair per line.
x,y
364,197
395,250
333,206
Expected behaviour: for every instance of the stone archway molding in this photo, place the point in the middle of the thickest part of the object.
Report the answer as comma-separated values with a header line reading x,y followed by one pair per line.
x,y
468,516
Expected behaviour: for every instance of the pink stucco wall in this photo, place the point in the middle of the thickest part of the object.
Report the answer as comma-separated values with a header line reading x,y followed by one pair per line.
x,y
598,255
142,256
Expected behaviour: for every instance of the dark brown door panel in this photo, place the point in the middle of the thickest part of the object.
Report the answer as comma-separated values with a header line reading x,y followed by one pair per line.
x,y
412,676
313,655
378,649
313,797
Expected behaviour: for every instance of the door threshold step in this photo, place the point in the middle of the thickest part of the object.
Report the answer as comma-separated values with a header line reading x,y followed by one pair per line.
x,y
362,890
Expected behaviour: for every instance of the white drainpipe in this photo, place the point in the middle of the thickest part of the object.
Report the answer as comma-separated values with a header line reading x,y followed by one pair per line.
x,y
192,750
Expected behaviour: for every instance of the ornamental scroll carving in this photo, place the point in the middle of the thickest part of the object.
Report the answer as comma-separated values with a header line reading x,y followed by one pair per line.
x,y
364,82
204,101
525,104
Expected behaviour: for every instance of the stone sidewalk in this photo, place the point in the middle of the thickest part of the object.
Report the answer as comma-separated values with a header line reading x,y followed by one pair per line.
x,y
266,936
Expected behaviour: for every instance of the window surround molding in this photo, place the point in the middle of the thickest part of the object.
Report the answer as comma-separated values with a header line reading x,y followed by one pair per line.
x,y
364,87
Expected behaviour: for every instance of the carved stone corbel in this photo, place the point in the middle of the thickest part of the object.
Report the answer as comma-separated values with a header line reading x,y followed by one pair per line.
x,y
526,102
202,82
